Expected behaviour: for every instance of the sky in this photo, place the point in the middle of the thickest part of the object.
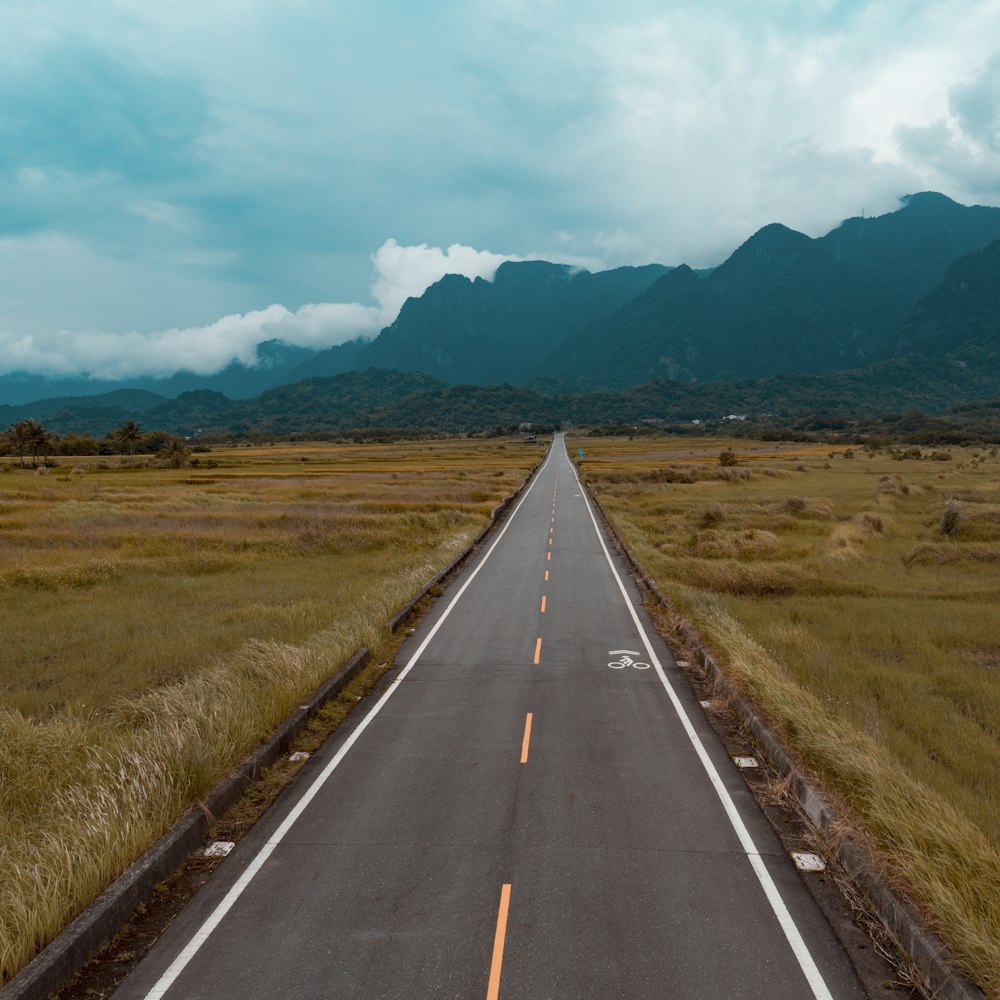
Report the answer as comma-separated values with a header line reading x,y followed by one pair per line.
x,y
181,181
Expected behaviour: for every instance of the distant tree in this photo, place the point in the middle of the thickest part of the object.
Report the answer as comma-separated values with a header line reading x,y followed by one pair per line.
x,y
78,444
37,438
174,452
16,439
127,435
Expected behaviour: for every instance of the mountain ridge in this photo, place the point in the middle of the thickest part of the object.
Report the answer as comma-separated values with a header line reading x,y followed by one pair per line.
x,y
782,304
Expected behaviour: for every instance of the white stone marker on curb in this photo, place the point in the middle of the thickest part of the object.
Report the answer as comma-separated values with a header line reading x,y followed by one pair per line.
x,y
806,862
217,849
297,756
746,762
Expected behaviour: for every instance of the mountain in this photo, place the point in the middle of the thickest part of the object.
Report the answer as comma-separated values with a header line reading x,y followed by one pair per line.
x,y
309,406
82,414
782,303
778,305
960,319
905,298
909,250
333,361
492,332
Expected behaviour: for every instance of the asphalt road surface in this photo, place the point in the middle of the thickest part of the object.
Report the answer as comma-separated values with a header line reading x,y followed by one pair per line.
x,y
534,809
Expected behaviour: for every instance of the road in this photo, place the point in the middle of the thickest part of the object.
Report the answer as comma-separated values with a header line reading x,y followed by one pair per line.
x,y
514,818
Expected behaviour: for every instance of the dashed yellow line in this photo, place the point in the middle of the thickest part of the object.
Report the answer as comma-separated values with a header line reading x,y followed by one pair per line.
x,y
546,576
543,604
538,649
527,738
493,989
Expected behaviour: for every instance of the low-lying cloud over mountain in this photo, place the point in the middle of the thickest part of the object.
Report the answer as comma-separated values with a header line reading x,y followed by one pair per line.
x,y
401,272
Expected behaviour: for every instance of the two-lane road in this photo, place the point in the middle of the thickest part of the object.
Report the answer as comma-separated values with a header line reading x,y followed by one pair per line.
x,y
514,817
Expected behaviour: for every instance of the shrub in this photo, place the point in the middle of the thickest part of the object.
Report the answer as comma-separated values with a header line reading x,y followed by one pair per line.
x,y
951,517
728,458
872,522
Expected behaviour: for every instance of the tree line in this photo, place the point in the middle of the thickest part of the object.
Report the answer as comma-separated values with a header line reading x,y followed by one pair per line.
x,y
30,438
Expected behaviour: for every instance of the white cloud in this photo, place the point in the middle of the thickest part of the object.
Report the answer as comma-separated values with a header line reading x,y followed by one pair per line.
x,y
405,272
961,149
621,245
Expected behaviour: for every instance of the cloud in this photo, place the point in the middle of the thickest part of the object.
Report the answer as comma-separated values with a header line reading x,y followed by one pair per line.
x,y
962,148
400,272
405,272
162,165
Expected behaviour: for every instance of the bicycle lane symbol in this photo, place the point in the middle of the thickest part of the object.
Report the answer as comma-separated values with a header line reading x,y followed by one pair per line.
x,y
625,659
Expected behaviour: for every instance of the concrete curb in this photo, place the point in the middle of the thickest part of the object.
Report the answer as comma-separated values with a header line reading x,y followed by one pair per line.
x,y
927,954
88,932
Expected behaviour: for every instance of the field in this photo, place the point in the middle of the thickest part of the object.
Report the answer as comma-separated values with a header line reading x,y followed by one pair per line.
x,y
868,636
156,623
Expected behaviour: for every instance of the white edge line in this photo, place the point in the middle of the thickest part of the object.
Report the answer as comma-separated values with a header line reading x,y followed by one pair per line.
x,y
215,917
788,926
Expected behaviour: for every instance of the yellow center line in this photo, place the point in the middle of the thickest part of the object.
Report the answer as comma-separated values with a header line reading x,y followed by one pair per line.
x,y
546,576
548,555
493,989
543,604
538,649
550,539
527,738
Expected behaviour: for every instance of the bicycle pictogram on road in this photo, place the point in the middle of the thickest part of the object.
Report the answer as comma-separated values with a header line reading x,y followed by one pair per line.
x,y
625,659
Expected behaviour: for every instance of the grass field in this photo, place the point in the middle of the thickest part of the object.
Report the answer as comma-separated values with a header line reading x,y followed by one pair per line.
x,y
157,623
870,639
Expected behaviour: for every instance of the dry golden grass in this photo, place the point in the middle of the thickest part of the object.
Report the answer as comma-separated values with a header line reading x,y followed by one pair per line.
x,y
156,624
871,640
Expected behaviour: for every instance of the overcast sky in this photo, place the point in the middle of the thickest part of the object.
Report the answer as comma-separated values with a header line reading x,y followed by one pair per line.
x,y
181,180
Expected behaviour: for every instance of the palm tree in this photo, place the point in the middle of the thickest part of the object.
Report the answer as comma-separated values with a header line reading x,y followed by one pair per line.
x,y
128,434
175,452
37,437
16,439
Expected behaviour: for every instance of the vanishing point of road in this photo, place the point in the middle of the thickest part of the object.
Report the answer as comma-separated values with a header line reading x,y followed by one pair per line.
x,y
535,808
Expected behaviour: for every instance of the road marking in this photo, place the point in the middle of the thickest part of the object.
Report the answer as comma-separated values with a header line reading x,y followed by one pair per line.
x,y
213,920
543,604
538,649
527,738
493,989
546,576
550,542
548,555
792,934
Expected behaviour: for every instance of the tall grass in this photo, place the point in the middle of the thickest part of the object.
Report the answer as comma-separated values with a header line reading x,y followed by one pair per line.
x,y
157,624
869,639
